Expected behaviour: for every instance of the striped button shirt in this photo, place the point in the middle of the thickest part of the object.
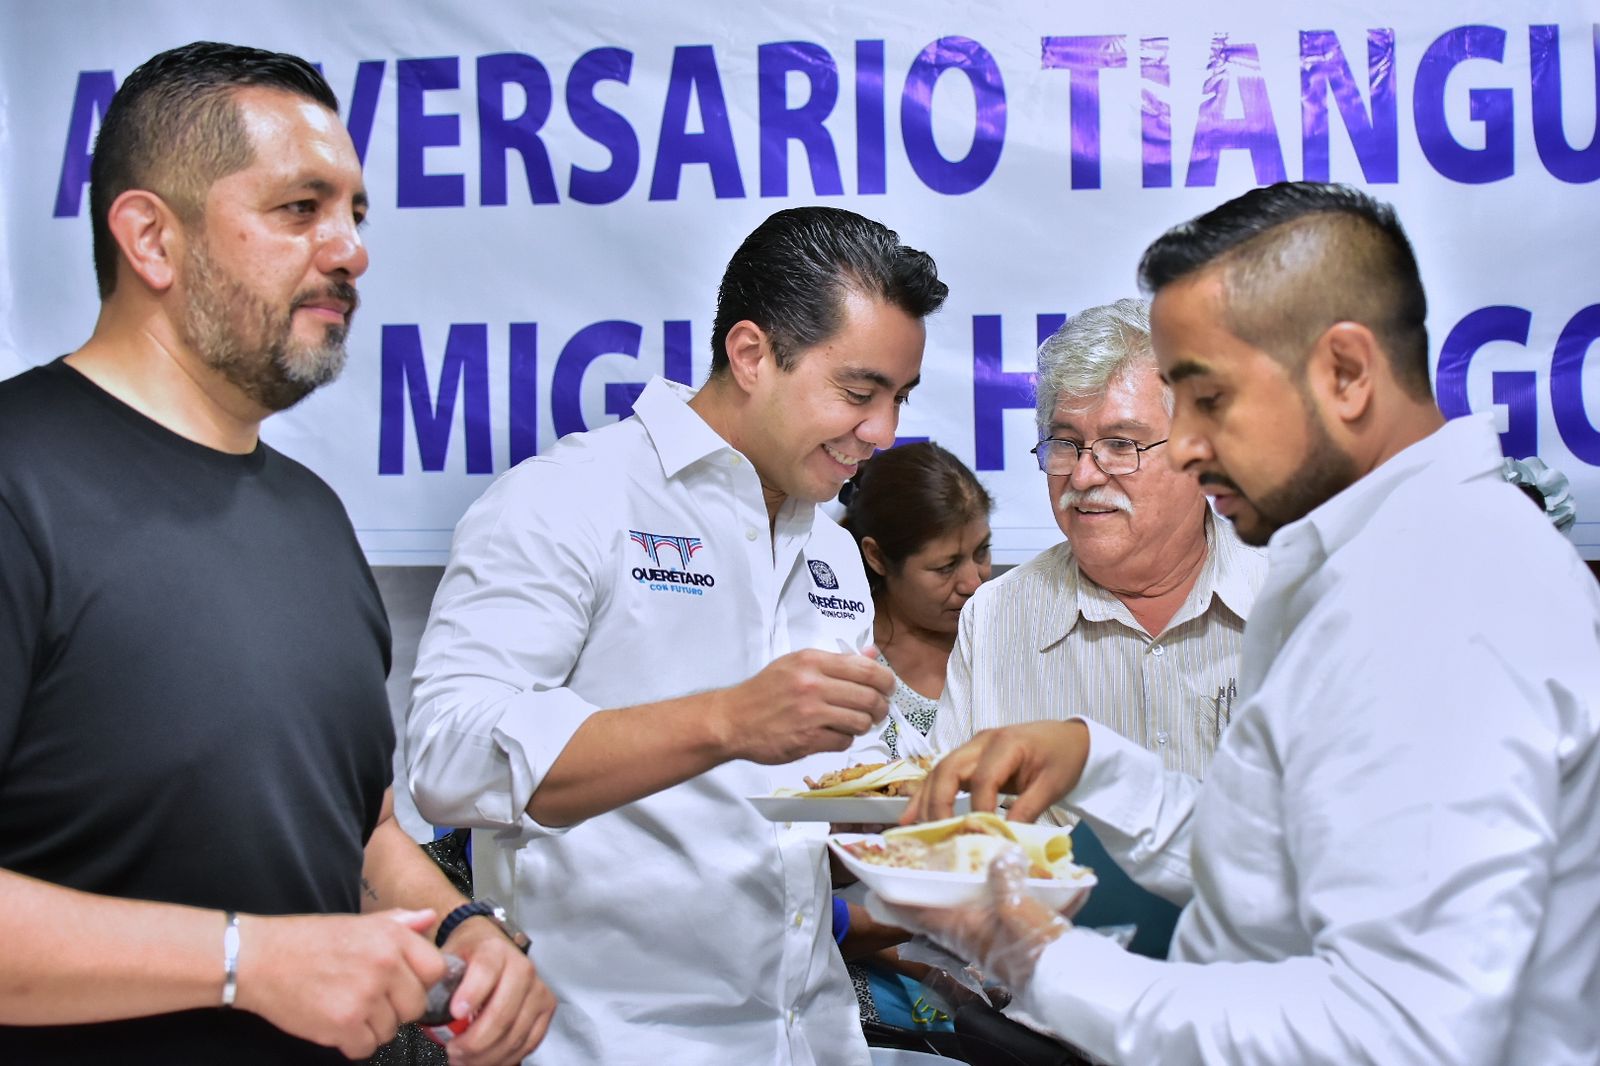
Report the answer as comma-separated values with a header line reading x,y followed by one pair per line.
x,y
1043,641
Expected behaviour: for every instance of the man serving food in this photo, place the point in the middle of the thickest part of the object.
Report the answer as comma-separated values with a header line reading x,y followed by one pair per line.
x,y
1394,856
635,626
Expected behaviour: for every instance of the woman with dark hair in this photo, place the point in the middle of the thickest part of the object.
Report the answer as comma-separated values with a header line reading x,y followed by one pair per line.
x,y
922,521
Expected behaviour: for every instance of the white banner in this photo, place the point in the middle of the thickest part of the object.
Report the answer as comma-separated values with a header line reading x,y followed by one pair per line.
x,y
556,189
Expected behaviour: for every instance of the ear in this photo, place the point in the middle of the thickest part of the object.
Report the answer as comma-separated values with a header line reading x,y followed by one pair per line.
x,y
149,235
1343,367
873,556
748,348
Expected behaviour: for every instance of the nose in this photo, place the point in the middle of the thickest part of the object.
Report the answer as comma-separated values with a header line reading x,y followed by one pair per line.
x,y
342,250
970,576
1087,473
878,428
1186,448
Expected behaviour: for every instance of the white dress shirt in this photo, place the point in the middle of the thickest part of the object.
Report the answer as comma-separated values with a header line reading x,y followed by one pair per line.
x,y
629,565
1042,641
1395,858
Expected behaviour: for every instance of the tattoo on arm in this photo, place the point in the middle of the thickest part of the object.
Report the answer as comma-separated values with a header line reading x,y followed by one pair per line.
x,y
368,891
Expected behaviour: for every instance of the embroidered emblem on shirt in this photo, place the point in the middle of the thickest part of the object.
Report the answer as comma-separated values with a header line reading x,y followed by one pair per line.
x,y
837,606
679,579
822,574
652,543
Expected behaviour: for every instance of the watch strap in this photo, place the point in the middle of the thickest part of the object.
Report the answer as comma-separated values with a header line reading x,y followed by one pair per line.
x,y
474,909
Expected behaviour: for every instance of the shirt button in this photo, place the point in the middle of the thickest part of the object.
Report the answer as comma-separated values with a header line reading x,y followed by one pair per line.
x,y
751,534
736,460
1161,737
799,919
793,1014
1157,649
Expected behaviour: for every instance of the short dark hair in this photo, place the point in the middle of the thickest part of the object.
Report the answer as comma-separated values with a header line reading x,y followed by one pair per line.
x,y
790,276
907,496
1298,257
173,128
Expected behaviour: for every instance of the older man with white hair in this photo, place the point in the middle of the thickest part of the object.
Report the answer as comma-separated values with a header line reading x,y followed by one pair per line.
x,y
1136,620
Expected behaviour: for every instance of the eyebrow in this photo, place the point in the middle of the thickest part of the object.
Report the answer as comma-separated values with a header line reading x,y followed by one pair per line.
x,y
324,188
1187,368
1126,426
861,373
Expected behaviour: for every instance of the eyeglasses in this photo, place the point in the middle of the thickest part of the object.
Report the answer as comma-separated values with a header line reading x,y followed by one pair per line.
x,y
1113,455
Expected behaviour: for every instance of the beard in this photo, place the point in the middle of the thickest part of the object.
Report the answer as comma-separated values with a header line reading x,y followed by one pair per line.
x,y
1323,474
251,344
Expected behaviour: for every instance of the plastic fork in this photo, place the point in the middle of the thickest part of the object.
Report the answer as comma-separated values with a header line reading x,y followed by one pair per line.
x,y
909,741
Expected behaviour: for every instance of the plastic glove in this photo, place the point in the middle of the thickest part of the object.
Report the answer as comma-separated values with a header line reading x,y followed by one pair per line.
x,y
1004,933
1550,484
945,979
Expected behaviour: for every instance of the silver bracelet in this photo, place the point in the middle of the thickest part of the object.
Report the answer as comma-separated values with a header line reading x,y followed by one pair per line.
x,y
230,960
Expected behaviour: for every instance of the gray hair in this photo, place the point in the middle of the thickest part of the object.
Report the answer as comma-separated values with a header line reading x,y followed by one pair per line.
x,y
1090,350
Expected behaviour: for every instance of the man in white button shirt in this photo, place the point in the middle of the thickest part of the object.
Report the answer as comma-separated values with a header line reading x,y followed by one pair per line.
x,y
641,628
1136,620
1394,858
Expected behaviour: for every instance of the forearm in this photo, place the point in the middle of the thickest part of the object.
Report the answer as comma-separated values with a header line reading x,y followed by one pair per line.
x,y
1309,1009
395,872
867,936
71,957
619,756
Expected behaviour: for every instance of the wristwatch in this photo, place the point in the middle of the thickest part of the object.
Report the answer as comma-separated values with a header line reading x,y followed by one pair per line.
x,y
482,908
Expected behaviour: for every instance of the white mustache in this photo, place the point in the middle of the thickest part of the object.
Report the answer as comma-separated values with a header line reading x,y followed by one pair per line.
x,y
1098,496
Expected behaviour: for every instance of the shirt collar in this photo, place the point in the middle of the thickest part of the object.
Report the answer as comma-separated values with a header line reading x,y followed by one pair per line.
x,y
1227,573
1460,450
1225,576
1063,597
681,437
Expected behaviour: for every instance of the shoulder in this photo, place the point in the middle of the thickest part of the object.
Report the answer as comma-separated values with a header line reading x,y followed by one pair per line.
x,y
52,434
30,401
582,482
300,479
1457,577
1477,537
607,453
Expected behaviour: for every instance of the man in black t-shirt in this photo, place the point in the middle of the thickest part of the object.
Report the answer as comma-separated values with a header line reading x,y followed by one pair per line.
x,y
195,740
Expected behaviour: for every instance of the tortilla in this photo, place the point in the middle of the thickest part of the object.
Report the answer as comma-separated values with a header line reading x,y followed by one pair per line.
x,y
876,780
1047,851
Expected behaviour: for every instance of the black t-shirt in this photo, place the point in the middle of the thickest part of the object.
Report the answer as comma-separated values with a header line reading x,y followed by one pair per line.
x,y
192,702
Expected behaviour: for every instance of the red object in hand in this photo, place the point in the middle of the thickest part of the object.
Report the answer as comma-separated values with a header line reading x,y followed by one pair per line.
x,y
436,1021
443,1034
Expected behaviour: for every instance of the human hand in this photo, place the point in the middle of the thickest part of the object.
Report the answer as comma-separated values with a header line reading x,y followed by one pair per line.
x,y
1038,762
802,703
1004,932
342,981
501,992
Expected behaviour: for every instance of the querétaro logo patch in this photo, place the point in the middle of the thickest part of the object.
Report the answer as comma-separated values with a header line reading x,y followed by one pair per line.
x,y
822,574
664,550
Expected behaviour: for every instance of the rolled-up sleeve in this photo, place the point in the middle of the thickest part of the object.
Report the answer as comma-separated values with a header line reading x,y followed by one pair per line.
x,y
1141,811
1421,824
490,707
